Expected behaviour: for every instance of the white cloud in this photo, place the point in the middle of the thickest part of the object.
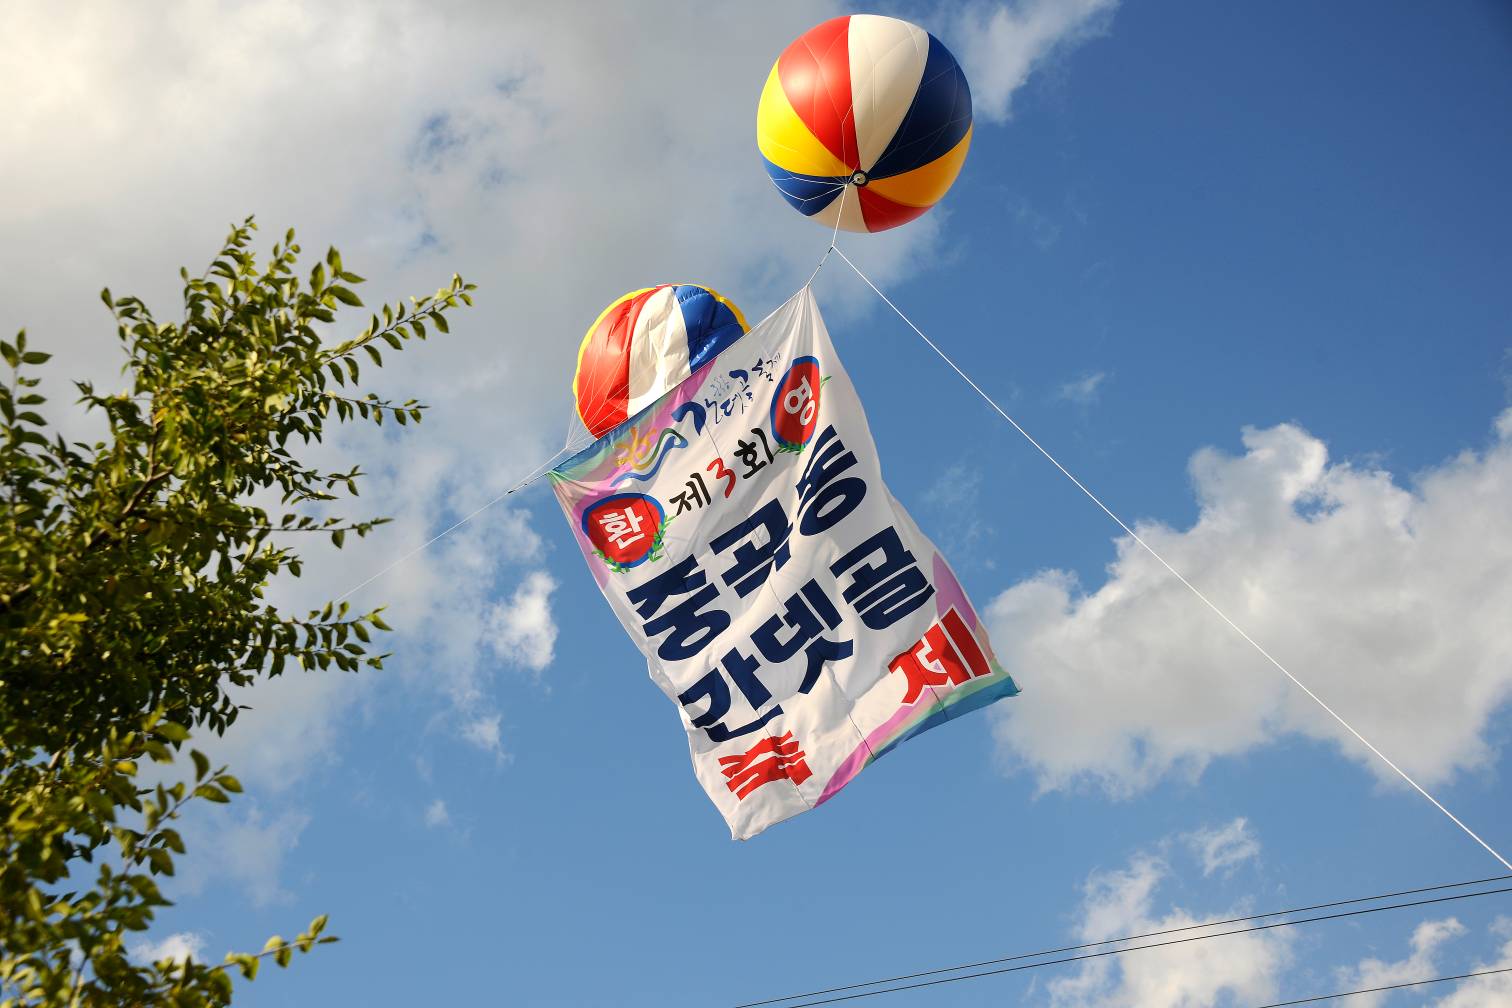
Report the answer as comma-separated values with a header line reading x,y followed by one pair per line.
x,y
1240,969
1222,848
522,630
1042,229
177,947
483,732
1428,943
1483,991
285,723
1389,601
1246,968
253,852
962,534
436,814
1084,390
1001,44
1419,965
245,845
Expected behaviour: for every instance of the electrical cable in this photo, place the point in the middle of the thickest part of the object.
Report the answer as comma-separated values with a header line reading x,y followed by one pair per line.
x,y
1128,938
1374,990
1135,948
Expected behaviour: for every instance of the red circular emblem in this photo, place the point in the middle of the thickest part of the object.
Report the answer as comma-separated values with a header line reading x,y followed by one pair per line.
x,y
624,527
795,407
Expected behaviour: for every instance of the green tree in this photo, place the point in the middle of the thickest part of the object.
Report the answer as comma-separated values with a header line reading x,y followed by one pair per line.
x,y
132,597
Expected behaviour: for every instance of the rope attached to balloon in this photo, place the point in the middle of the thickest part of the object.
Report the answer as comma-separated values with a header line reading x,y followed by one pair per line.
x,y
1166,564
834,235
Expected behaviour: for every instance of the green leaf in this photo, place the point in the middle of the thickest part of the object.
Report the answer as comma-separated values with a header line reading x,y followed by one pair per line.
x,y
171,730
347,296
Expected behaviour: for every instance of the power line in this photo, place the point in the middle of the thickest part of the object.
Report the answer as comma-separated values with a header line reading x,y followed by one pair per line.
x,y
1130,938
1373,990
1138,948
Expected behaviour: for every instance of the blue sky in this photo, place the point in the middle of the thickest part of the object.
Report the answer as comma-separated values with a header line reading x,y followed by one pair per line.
x,y
1190,221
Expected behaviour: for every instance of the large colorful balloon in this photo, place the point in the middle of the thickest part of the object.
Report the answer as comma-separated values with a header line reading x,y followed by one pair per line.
x,y
645,343
868,106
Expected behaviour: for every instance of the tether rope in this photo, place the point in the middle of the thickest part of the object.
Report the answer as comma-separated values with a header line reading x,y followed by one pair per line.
x,y
834,236
535,474
1164,563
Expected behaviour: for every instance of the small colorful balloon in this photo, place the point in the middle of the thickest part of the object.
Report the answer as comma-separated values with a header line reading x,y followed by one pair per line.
x,y
866,119
645,343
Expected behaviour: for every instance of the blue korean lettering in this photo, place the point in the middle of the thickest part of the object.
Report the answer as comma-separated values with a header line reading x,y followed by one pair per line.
x,y
807,613
692,409
885,581
713,688
824,496
760,546
689,626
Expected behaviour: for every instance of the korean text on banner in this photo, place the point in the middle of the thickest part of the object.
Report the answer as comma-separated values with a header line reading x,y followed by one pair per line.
x,y
789,606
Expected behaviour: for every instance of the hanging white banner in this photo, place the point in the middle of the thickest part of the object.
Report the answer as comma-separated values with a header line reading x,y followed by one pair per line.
x,y
741,530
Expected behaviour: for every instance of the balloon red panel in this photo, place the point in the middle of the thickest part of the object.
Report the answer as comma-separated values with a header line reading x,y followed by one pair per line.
x,y
881,213
815,74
